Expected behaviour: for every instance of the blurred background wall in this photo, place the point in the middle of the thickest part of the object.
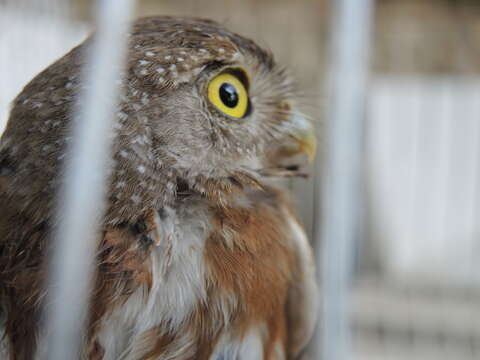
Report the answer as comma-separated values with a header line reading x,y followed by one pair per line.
x,y
416,293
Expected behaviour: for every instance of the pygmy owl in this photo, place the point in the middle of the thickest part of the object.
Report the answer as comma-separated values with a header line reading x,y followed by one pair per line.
x,y
200,255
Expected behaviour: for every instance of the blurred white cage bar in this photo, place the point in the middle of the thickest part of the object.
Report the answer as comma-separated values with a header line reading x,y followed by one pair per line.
x,y
342,181
82,198
415,288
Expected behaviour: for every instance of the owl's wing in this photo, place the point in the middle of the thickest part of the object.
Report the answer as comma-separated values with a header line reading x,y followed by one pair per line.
x,y
302,299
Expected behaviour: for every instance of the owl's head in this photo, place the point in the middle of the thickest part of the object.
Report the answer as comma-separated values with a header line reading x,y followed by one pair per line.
x,y
203,110
218,106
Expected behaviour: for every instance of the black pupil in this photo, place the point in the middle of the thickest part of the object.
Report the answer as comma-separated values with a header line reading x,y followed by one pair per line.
x,y
229,95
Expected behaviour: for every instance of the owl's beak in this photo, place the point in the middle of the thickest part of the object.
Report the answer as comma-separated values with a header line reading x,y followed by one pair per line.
x,y
307,144
287,157
304,140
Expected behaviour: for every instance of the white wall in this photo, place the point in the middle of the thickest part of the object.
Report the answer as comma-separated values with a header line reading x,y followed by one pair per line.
x,y
423,174
29,42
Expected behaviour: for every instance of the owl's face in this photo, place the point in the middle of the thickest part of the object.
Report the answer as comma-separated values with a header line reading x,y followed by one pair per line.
x,y
217,104
202,109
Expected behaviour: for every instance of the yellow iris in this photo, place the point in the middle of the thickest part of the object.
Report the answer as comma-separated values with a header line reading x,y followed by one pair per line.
x,y
228,94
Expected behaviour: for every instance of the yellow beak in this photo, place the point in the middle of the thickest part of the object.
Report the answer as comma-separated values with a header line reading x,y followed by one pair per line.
x,y
307,143
304,139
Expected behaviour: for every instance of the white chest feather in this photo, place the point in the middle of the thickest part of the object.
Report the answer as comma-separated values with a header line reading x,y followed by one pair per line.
x,y
179,285
248,348
178,271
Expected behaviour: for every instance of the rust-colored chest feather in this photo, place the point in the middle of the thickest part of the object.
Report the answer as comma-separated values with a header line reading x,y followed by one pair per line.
x,y
216,282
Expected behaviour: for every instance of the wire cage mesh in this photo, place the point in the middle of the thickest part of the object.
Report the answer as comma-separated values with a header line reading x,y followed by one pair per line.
x,y
415,289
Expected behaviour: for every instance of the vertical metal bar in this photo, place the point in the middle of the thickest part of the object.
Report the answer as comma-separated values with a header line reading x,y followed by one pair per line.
x,y
82,198
341,186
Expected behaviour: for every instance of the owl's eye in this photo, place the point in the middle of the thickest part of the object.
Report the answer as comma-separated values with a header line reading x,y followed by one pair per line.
x,y
228,94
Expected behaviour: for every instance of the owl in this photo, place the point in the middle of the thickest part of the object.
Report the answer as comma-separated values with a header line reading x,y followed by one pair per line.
x,y
200,254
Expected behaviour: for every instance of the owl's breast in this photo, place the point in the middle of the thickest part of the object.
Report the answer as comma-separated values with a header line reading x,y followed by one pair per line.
x,y
219,285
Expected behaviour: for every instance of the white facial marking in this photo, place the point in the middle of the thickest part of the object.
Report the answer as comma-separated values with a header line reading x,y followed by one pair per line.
x,y
300,121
